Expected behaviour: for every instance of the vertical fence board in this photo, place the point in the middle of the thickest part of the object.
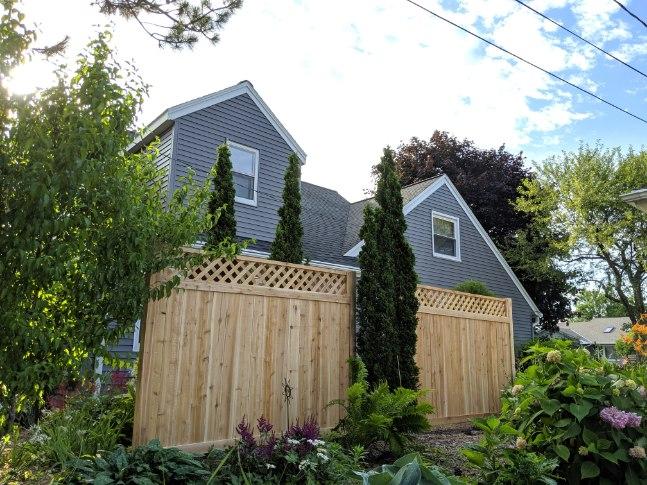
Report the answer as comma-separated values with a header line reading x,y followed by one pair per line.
x,y
220,346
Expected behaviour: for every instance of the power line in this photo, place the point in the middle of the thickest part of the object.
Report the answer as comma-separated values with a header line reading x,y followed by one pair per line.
x,y
581,38
631,13
545,71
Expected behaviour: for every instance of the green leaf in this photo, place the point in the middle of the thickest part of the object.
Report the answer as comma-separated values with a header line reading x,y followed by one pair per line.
x,y
572,431
409,474
562,423
588,436
550,406
562,451
581,410
474,456
588,469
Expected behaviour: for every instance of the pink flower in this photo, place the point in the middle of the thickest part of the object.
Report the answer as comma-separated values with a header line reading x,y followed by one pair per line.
x,y
620,419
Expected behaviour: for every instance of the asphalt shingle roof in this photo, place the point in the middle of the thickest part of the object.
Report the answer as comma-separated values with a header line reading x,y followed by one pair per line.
x,y
593,330
331,224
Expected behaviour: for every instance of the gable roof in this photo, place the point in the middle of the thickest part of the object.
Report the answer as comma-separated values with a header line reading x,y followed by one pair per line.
x,y
422,194
166,119
593,331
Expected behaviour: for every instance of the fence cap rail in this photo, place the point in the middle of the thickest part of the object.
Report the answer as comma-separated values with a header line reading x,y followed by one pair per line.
x,y
443,298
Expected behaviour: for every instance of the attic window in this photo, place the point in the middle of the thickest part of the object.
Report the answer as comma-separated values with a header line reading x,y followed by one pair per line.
x,y
244,163
609,329
446,236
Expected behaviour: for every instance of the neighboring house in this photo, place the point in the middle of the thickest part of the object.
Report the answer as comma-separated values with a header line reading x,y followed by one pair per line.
x,y
637,198
599,334
449,243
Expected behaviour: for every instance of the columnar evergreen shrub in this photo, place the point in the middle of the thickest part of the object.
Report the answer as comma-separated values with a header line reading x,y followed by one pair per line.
x,y
221,201
376,338
288,241
390,261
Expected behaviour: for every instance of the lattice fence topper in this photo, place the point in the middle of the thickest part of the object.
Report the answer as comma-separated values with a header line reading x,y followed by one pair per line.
x,y
464,302
252,272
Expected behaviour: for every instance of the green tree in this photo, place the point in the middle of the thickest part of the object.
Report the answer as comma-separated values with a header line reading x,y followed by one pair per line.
x,y
82,221
397,280
376,337
591,304
578,195
221,200
288,241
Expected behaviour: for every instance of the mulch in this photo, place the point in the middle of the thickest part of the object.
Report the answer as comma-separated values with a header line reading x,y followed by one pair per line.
x,y
442,446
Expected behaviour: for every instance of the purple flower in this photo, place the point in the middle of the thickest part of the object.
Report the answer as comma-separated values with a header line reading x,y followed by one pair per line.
x,y
244,429
620,419
266,450
264,426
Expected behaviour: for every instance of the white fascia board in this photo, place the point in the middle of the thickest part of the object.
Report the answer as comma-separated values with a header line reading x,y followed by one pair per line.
x,y
319,264
416,201
635,195
244,87
490,243
412,204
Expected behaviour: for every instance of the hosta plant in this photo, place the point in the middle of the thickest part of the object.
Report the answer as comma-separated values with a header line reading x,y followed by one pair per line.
x,y
410,469
587,413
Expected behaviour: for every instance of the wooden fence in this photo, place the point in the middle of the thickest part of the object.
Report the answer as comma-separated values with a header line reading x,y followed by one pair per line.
x,y
465,352
220,347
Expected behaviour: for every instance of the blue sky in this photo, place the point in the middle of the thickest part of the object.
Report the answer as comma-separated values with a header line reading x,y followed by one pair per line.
x,y
349,77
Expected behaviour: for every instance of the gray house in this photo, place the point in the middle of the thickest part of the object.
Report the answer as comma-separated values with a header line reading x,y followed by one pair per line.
x,y
449,243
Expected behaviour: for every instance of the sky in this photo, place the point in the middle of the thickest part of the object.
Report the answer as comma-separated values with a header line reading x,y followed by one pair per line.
x,y
348,77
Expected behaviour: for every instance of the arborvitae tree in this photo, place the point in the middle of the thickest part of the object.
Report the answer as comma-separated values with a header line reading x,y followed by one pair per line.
x,y
376,339
400,261
221,202
288,241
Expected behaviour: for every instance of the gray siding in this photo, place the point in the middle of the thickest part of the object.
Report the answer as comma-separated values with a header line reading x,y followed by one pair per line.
x,y
164,160
477,259
197,136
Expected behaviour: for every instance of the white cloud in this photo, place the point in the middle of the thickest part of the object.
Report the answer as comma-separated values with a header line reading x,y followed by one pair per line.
x,y
347,78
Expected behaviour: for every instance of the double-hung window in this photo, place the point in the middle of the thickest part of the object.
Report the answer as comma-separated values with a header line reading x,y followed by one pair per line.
x,y
446,239
244,162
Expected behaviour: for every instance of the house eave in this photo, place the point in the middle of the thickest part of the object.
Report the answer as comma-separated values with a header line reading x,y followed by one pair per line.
x,y
166,119
636,198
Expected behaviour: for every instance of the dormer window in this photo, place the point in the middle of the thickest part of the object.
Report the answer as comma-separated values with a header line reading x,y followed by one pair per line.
x,y
445,236
244,162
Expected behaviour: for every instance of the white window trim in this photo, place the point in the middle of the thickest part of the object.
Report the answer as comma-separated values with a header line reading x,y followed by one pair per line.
x,y
457,235
242,200
136,336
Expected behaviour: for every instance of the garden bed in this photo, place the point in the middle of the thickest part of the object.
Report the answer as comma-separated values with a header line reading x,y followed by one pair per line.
x,y
442,446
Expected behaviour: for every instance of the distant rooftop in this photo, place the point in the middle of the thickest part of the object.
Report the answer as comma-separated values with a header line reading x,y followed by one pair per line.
x,y
602,331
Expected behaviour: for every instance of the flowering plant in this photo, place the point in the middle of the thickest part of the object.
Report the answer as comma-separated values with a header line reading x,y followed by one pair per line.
x,y
298,455
635,342
586,413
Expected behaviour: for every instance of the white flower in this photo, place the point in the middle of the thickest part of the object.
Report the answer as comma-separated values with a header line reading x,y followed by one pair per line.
x,y
516,389
293,441
554,356
323,456
305,464
631,384
270,466
316,442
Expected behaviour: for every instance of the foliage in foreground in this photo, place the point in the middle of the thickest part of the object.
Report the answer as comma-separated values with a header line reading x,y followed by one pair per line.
x,y
475,287
86,426
586,413
503,461
148,464
83,222
379,419
410,469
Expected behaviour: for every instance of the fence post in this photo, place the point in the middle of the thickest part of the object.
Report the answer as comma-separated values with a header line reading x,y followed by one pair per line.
x,y
508,304
352,293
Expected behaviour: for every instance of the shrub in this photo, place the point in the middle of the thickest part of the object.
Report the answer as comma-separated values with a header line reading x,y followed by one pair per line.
x,y
475,287
586,413
146,464
298,455
502,459
379,417
635,342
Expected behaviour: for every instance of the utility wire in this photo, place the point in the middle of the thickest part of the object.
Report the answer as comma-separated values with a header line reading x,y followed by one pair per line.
x,y
516,56
631,13
581,38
